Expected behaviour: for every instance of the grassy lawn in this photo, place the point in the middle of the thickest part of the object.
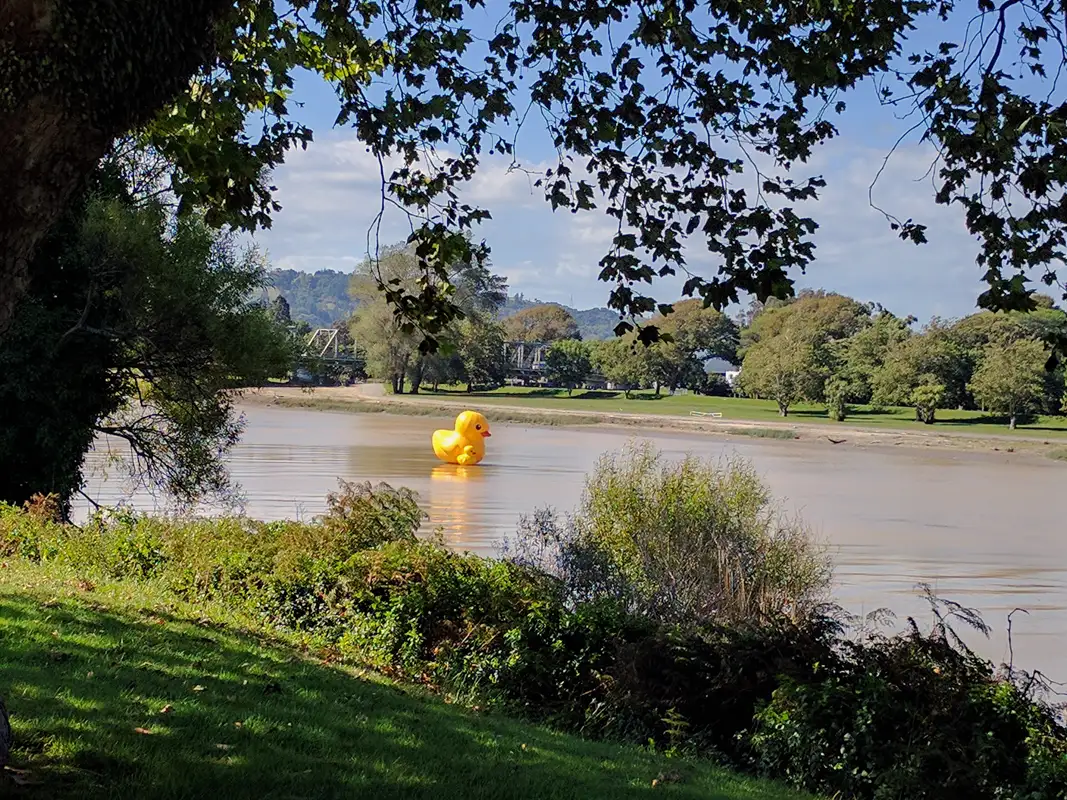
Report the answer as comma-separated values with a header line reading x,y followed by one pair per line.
x,y
117,691
737,408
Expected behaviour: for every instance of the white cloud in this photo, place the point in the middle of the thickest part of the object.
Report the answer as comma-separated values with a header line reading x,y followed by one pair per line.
x,y
331,194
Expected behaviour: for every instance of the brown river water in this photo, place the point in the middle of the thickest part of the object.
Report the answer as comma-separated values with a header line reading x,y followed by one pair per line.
x,y
985,530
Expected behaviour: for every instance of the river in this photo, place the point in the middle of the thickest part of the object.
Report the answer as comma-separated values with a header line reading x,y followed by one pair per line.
x,y
985,530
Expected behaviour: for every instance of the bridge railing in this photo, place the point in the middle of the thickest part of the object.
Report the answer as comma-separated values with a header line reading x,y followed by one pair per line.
x,y
324,344
526,356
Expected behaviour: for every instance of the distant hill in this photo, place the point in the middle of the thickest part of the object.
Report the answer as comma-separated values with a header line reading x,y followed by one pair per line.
x,y
594,323
319,298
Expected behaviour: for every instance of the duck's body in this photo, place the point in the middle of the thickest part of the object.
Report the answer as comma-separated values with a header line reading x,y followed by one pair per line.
x,y
466,444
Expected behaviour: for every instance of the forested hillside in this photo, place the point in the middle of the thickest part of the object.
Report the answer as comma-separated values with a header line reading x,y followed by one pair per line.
x,y
593,323
319,298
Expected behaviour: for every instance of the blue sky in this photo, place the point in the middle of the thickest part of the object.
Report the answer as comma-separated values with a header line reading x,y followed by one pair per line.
x,y
330,195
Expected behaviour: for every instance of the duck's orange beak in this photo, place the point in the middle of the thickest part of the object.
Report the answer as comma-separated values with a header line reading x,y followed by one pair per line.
x,y
486,434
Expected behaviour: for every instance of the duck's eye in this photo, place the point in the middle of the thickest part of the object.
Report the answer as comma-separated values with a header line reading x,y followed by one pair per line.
x,y
477,427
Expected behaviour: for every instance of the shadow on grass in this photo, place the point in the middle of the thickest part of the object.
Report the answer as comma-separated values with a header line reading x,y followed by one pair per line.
x,y
86,688
1030,424
853,413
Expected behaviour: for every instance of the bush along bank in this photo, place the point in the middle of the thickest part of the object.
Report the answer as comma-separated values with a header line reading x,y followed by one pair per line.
x,y
582,629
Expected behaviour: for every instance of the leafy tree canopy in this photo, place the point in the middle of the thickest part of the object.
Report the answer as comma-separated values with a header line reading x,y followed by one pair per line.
x,y
139,327
393,352
935,357
593,323
825,315
655,110
623,362
547,322
783,368
567,363
1010,379
860,356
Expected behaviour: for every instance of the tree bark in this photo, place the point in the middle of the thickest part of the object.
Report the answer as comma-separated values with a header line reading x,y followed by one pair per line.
x,y
1011,422
6,739
77,74
416,374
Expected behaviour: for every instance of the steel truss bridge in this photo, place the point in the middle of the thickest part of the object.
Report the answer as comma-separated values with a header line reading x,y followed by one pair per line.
x,y
526,361
324,344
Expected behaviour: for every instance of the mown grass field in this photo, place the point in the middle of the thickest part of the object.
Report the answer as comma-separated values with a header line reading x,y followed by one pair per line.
x,y
743,409
119,691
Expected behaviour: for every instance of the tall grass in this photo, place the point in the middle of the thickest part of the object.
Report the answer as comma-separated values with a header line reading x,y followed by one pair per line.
x,y
684,541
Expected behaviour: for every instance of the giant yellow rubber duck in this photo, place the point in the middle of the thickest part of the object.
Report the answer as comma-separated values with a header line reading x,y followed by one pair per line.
x,y
466,444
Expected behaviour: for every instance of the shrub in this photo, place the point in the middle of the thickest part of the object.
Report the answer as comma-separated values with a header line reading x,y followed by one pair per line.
x,y
927,397
916,716
270,565
686,541
837,399
482,629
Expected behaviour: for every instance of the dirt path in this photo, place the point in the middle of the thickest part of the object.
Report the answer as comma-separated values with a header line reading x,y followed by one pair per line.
x,y
371,397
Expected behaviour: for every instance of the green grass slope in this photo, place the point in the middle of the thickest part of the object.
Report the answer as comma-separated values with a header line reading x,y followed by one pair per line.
x,y
116,691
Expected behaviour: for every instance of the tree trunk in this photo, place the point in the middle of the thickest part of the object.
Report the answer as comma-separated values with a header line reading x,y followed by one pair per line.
x,y
6,739
783,411
416,374
70,96
1011,422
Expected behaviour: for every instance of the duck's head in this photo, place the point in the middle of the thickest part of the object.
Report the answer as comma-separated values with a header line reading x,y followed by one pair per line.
x,y
471,425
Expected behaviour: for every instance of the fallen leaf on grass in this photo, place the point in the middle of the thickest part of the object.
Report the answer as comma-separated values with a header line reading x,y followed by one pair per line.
x,y
86,585
223,746
166,709
198,688
238,724
144,731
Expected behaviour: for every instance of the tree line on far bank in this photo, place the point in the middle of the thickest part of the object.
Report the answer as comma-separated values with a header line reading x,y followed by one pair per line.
x,y
823,347
473,353
819,347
